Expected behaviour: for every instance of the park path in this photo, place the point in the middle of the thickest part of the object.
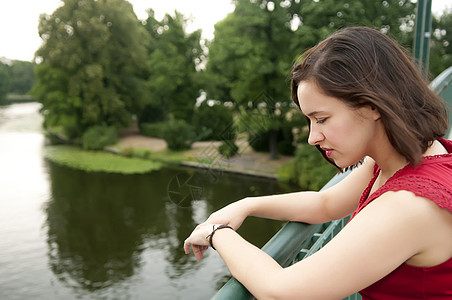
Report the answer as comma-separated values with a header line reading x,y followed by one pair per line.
x,y
247,161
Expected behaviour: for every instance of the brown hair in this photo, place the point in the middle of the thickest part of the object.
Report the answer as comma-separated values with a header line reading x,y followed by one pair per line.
x,y
361,67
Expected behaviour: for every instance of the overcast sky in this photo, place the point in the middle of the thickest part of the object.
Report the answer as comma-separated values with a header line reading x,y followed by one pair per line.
x,y
19,19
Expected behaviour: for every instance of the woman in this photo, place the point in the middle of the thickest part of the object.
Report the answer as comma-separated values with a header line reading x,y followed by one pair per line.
x,y
368,109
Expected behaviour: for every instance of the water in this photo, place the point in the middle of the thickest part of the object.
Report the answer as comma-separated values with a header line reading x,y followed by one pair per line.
x,y
69,234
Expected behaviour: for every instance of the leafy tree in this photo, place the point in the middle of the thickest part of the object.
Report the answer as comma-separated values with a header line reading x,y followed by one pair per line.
x,y
22,77
441,49
92,70
173,82
4,81
318,19
213,122
249,61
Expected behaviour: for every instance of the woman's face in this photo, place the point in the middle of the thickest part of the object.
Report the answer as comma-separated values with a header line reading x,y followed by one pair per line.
x,y
345,134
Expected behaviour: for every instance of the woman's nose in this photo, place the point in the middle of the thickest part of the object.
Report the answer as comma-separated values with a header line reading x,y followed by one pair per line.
x,y
315,136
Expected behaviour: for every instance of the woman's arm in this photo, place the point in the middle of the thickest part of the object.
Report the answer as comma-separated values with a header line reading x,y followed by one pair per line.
x,y
385,234
309,207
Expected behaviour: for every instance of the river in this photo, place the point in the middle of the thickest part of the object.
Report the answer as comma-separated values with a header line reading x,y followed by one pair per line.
x,y
70,234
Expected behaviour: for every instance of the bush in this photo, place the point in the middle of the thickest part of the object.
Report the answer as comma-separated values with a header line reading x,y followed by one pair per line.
x,y
152,129
260,141
286,147
228,149
213,122
97,137
151,113
178,134
308,169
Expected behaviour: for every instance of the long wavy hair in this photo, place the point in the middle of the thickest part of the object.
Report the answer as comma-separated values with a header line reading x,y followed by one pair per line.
x,y
361,66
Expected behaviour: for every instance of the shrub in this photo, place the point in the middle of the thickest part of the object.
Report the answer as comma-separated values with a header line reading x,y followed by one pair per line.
x,y
212,122
151,113
228,149
259,141
286,147
97,137
152,129
308,169
178,134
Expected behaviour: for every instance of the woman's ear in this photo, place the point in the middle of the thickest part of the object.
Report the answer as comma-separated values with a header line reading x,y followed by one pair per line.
x,y
375,113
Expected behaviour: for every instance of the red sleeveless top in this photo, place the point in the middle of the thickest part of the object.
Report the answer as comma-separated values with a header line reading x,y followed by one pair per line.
x,y
432,179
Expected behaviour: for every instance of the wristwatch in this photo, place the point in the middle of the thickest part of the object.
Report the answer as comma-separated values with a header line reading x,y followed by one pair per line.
x,y
215,228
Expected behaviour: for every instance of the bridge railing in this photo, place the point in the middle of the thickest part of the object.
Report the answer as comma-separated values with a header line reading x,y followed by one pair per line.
x,y
296,241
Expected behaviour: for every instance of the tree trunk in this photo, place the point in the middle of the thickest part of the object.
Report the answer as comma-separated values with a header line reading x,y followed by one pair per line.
x,y
273,141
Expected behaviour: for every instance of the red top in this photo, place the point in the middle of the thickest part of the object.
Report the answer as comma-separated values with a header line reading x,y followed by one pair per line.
x,y
432,179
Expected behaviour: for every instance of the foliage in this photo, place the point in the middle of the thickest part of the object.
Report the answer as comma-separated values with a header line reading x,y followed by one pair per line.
x,y
228,149
247,64
93,161
308,169
151,113
318,19
259,132
216,121
441,49
92,69
259,141
98,137
22,77
153,129
4,81
178,135
173,82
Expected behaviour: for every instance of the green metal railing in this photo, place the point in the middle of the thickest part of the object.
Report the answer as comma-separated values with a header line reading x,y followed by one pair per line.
x,y
423,34
442,86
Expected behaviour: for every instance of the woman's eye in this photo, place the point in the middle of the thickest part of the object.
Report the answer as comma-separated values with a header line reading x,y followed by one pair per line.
x,y
321,121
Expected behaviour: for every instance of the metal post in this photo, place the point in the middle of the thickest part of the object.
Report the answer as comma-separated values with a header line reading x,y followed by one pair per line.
x,y
423,34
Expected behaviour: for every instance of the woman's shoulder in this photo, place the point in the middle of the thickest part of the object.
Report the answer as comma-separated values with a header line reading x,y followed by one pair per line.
x,y
431,180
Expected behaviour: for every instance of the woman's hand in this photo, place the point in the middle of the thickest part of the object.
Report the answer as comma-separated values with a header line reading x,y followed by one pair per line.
x,y
233,214
199,240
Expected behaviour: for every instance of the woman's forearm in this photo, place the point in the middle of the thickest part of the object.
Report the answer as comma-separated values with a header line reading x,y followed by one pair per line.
x,y
300,206
254,273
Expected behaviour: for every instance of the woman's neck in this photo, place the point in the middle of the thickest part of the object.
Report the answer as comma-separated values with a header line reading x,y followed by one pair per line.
x,y
390,161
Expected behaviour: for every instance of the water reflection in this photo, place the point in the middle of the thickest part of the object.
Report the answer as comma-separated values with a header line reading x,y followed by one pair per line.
x,y
100,225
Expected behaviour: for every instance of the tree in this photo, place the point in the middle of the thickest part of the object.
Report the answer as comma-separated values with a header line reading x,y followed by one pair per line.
x,y
441,50
92,70
22,77
249,61
172,59
4,81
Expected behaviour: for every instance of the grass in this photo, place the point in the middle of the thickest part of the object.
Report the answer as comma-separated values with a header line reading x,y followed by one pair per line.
x,y
99,161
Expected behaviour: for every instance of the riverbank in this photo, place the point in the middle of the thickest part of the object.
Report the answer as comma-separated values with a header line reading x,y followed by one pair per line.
x,y
203,155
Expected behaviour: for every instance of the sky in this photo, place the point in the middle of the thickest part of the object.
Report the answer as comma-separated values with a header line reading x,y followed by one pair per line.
x,y
19,19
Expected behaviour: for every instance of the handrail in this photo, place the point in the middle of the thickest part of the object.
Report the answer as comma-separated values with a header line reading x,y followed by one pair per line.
x,y
442,86
290,243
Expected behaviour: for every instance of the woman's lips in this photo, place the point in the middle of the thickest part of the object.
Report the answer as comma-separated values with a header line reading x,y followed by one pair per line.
x,y
328,152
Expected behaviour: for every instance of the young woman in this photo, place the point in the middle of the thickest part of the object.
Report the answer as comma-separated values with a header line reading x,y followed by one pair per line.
x,y
368,109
